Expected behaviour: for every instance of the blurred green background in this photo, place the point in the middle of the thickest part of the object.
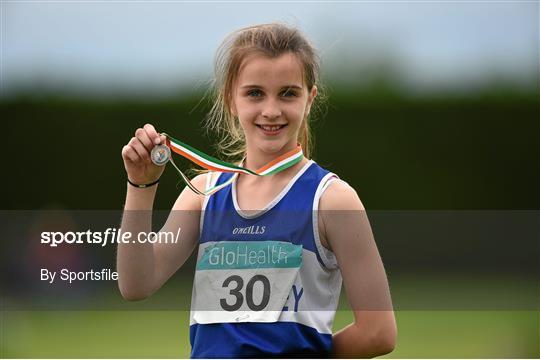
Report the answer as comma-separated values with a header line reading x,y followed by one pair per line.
x,y
432,107
165,334
474,152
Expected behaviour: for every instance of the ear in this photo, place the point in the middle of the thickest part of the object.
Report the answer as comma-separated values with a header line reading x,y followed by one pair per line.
x,y
311,96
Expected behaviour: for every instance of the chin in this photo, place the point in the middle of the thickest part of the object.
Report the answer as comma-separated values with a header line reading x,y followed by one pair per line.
x,y
271,146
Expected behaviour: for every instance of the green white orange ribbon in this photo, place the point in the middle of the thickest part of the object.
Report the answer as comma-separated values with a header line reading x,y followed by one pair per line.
x,y
208,162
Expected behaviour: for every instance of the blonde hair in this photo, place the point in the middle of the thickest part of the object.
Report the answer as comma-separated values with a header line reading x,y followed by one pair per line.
x,y
270,40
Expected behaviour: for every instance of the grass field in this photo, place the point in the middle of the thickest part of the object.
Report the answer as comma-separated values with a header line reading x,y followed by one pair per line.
x,y
156,334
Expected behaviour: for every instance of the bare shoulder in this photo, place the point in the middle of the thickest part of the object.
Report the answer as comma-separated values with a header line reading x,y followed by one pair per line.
x,y
340,196
199,181
188,200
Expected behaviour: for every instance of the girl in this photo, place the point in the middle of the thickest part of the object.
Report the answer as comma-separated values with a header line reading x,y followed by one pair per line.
x,y
272,250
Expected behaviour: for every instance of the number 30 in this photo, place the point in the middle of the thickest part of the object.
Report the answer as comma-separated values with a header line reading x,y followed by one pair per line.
x,y
249,293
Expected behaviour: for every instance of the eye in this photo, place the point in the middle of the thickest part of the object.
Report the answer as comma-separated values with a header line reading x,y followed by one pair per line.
x,y
289,93
254,93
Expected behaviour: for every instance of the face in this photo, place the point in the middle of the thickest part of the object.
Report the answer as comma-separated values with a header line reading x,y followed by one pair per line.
x,y
271,101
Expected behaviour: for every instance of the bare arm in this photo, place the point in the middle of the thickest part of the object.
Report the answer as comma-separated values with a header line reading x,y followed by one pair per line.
x,y
347,230
144,267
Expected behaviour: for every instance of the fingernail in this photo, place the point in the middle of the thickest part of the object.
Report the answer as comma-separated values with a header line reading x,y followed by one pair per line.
x,y
157,141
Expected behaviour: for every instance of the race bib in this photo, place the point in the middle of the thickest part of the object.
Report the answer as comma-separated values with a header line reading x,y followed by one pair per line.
x,y
244,281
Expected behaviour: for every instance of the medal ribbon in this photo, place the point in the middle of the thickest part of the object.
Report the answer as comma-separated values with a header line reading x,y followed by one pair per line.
x,y
208,162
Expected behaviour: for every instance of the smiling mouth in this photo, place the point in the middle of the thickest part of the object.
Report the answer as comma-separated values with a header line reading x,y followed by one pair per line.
x,y
271,129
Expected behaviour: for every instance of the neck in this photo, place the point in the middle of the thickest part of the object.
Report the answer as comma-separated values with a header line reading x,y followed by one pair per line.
x,y
256,158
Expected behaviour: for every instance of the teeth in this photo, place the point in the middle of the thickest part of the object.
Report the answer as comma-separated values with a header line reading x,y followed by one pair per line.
x,y
271,128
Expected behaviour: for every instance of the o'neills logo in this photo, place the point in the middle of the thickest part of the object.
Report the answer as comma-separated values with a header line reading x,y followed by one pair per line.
x,y
251,230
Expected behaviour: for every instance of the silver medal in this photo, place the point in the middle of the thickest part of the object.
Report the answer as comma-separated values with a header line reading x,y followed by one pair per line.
x,y
160,154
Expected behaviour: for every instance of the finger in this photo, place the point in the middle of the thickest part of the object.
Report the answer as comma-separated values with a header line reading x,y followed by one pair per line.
x,y
139,148
144,139
130,154
152,133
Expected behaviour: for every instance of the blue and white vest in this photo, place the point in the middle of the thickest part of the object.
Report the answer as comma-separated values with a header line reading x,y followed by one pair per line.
x,y
264,285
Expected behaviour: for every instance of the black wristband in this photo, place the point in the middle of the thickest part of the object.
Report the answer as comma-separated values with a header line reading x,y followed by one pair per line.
x,y
143,185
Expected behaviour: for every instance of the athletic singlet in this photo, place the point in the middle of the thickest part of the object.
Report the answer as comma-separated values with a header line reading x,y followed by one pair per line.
x,y
264,284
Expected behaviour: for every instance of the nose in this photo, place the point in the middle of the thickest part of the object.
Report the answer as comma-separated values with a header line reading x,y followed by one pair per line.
x,y
271,109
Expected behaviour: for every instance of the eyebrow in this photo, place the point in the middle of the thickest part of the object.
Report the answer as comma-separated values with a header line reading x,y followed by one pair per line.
x,y
283,87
